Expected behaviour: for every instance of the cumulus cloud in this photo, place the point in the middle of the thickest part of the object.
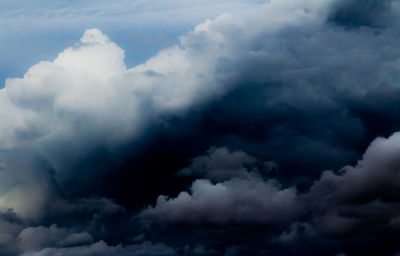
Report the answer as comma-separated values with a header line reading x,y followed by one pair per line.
x,y
295,82
366,193
219,164
88,85
358,200
236,201
241,196
75,86
86,98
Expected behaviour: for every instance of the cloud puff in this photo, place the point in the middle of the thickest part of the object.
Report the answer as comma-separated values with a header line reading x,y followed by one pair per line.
x,y
242,197
219,164
76,85
231,202
360,195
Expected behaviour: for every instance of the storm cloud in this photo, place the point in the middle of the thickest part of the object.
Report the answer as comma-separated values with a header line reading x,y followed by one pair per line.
x,y
356,201
279,123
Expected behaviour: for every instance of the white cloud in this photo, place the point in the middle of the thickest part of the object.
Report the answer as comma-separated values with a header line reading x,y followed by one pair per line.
x,y
87,97
88,85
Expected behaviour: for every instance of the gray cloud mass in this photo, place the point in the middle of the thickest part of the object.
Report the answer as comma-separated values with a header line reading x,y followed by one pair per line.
x,y
279,122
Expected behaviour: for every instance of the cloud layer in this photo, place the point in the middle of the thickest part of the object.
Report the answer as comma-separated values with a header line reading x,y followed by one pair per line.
x,y
257,123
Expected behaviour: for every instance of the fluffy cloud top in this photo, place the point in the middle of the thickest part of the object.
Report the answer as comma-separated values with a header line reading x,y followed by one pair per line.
x,y
236,201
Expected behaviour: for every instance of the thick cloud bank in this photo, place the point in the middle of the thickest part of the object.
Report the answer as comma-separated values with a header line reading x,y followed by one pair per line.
x,y
358,201
243,127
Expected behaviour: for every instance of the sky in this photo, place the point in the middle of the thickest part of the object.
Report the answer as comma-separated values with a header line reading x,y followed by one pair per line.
x,y
168,127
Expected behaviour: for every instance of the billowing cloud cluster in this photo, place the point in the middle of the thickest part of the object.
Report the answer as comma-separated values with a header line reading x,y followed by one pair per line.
x,y
364,197
358,201
86,98
233,201
97,158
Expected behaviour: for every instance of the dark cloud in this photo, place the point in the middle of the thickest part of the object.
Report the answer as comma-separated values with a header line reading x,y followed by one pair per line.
x,y
234,201
101,248
220,165
100,159
358,13
359,203
362,199
36,238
